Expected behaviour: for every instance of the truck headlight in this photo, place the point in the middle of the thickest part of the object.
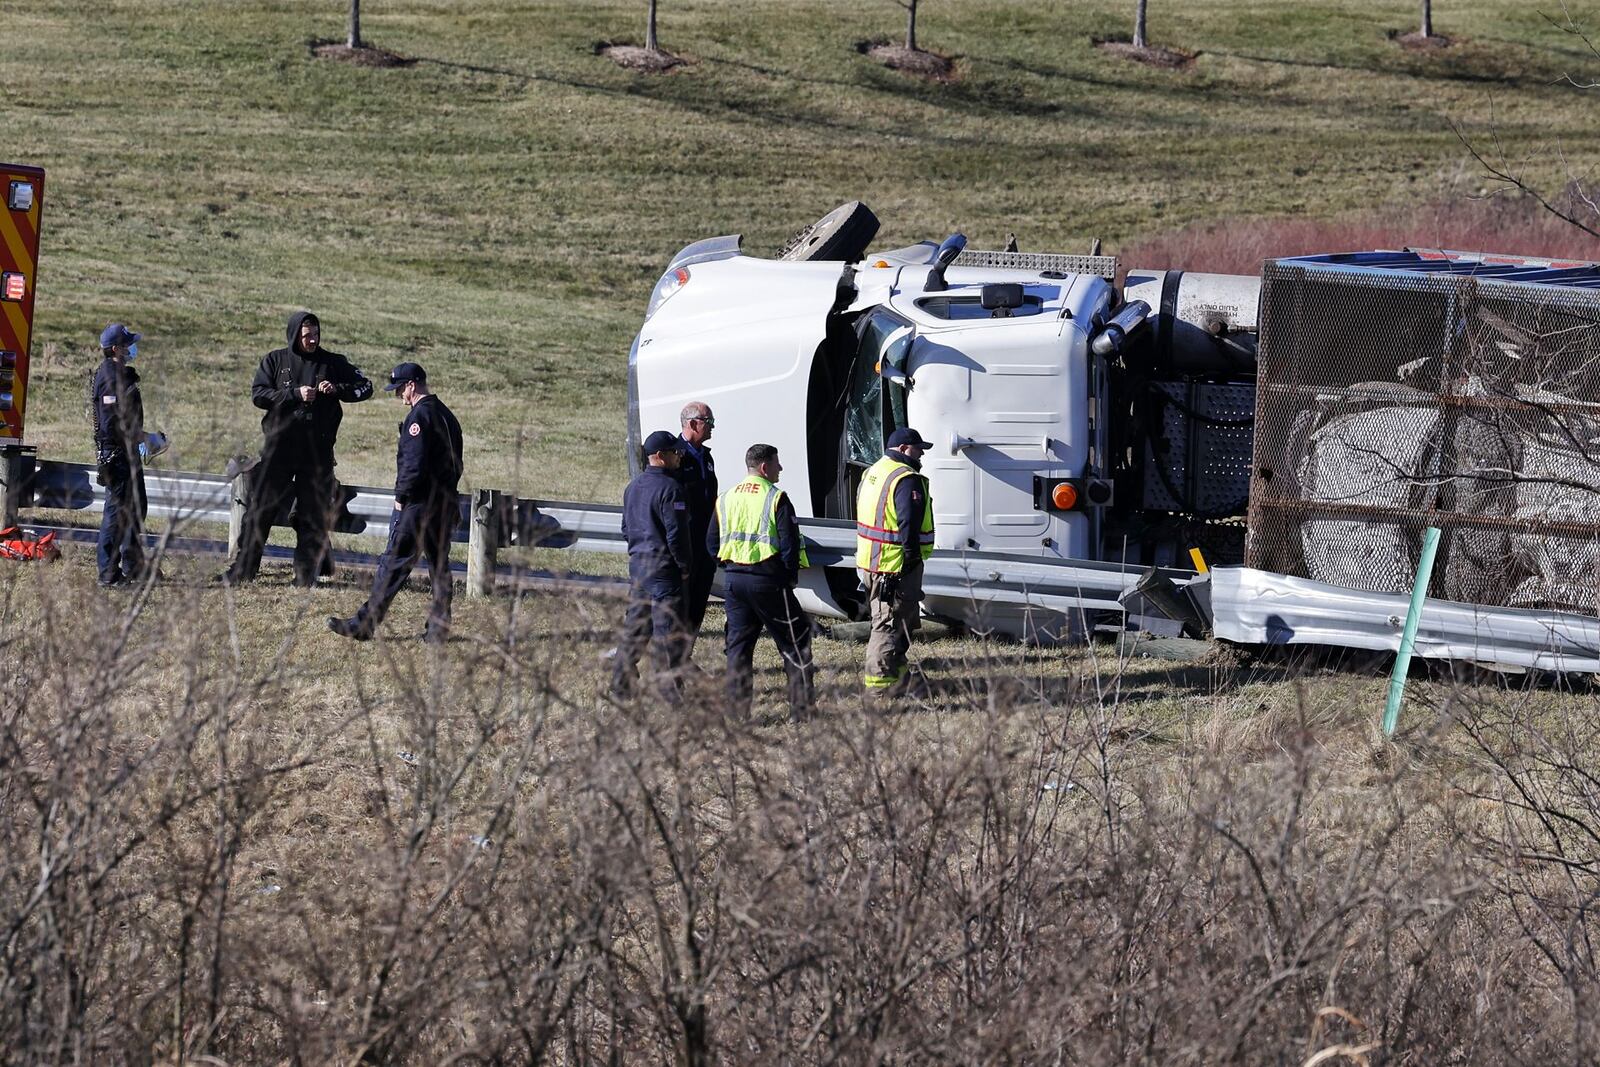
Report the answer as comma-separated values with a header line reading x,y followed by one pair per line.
x,y
669,284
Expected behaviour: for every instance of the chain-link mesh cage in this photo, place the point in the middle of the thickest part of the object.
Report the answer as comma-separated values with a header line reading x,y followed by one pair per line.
x,y
1388,402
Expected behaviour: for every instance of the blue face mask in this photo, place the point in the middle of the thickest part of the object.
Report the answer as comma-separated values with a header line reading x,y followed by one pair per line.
x,y
133,354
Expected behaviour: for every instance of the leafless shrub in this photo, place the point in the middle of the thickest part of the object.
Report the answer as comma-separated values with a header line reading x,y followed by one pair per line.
x,y
206,850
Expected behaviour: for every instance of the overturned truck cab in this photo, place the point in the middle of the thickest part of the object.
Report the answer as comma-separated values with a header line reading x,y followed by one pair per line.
x,y
1073,417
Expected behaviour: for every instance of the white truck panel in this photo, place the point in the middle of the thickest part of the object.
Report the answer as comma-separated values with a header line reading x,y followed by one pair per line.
x,y
743,331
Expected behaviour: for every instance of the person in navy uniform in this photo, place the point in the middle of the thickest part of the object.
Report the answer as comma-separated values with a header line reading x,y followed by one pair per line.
x,y
698,473
427,509
655,520
118,433
302,390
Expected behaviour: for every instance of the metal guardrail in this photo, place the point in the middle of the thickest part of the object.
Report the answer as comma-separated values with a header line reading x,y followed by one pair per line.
x,y
490,520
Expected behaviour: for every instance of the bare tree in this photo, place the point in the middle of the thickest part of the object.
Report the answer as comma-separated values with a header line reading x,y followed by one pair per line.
x,y
650,42
1138,24
911,25
1578,201
354,37
1427,18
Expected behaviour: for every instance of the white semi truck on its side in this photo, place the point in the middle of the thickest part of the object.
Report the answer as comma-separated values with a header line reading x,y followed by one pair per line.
x,y
1075,414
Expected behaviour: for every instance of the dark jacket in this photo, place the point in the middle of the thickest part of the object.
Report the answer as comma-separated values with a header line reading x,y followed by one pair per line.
x,y
118,412
655,520
785,566
427,463
699,480
294,425
910,497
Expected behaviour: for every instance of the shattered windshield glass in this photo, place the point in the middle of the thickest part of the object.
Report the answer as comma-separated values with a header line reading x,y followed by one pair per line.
x,y
877,407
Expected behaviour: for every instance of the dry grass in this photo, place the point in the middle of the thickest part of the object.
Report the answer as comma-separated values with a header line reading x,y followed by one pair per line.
x,y
226,833
1492,223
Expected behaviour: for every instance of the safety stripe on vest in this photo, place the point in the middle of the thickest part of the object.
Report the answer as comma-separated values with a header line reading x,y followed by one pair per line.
x,y
881,515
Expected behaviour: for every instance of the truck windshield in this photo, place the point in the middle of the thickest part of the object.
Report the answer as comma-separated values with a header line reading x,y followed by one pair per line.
x,y
877,406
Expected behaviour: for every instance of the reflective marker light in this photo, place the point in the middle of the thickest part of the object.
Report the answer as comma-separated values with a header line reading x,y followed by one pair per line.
x,y
8,359
1064,496
669,284
20,196
5,401
13,286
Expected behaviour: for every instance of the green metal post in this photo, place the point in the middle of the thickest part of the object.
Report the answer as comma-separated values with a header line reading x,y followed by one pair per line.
x,y
1408,637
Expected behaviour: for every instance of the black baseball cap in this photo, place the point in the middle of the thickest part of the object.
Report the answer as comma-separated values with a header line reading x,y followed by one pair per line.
x,y
662,441
907,436
403,373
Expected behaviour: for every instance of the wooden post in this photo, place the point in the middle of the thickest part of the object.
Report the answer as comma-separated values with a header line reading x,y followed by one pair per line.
x,y
483,542
236,504
10,485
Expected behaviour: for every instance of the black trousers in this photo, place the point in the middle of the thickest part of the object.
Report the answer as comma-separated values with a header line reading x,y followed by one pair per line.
x,y
417,531
279,479
697,592
755,604
119,550
655,616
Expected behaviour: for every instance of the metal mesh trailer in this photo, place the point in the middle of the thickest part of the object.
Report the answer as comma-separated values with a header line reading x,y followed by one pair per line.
x,y
1401,390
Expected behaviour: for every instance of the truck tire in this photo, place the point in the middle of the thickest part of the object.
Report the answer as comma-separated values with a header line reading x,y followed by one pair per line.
x,y
843,234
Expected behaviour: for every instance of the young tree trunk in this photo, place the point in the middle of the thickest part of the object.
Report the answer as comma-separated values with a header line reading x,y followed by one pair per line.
x,y
354,40
1427,18
911,25
650,30
1138,24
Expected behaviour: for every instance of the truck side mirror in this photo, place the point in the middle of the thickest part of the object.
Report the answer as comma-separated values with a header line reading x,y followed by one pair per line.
x,y
948,251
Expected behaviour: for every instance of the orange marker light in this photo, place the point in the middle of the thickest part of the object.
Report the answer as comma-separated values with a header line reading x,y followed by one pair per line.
x,y
1064,496
13,287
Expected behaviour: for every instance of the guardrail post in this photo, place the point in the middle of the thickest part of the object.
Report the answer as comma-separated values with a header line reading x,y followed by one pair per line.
x,y
483,542
236,505
11,477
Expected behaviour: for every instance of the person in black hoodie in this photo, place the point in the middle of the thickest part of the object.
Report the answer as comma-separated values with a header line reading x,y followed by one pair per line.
x,y
118,433
302,388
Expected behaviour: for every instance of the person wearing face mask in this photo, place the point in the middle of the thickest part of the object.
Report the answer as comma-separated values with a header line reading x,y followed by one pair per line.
x,y
894,537
118,434
302,389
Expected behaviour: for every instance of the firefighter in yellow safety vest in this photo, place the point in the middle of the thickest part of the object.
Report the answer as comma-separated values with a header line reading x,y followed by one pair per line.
x,y
755,537
894,536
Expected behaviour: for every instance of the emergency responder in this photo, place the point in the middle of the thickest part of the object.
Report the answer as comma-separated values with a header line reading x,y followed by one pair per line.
x,y
118,433
754,534
655,520
302,388
698,473
894,537
426,508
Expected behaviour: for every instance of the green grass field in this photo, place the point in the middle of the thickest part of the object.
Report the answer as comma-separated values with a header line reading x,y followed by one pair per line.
x,y
500,209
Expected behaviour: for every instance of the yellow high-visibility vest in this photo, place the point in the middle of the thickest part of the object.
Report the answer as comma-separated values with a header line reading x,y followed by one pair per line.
x,y
747,520
878,525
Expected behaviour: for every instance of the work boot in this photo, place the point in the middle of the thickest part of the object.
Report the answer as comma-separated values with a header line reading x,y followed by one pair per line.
x,y
354,629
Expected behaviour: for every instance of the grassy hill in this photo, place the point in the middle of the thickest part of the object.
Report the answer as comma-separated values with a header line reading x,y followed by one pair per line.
x,y
500,207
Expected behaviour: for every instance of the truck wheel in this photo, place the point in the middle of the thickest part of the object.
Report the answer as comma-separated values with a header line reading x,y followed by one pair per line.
x,y
843,233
